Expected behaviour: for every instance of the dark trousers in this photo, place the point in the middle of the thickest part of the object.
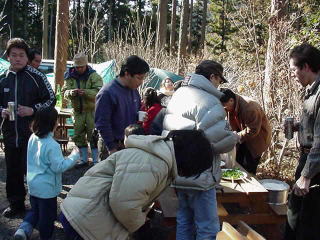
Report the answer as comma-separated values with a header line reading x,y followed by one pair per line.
x,y
43,213
303,218
246,160
103,150
71,234
16,161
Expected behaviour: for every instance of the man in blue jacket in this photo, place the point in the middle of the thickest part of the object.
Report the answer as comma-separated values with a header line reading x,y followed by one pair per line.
x,y
30,91
117,105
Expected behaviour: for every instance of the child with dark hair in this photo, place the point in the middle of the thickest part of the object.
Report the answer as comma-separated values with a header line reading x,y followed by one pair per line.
x,y
45,164
152,105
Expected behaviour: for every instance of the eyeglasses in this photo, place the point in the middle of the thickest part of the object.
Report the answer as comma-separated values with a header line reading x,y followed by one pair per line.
x,y
221,79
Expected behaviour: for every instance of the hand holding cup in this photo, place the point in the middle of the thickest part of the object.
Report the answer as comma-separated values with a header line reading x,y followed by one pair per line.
x,y
5,113
142,116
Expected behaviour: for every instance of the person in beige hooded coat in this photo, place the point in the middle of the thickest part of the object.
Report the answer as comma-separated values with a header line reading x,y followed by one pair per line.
x,y
112,199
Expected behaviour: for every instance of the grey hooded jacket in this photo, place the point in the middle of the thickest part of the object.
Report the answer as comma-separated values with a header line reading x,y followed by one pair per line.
x,y
197,105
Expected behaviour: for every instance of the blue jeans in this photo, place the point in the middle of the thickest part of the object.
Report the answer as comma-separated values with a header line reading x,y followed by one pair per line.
x,y
43,213
197,216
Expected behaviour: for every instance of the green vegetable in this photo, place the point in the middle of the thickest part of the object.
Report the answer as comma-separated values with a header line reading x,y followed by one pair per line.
x,y
232,173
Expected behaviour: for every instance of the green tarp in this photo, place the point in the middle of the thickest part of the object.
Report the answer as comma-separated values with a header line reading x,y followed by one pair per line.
x,y
153,79
107,70
4,65
156,76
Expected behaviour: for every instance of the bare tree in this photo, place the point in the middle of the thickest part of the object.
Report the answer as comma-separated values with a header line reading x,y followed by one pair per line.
x,y
182,51
204,23
87,35
277,16
190,27
2,17
45,29
162,23
173,27
110,19
61,42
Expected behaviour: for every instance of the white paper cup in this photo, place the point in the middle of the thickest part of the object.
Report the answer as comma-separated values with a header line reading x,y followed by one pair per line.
x,y
141,115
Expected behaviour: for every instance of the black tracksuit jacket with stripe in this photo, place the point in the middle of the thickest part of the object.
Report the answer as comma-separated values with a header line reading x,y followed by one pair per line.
x,y
30,88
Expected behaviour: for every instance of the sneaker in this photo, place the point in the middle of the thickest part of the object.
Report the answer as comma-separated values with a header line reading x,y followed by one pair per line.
x,y
12,212
20,235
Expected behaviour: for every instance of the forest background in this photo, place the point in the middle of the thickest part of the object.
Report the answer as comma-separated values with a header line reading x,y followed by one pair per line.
x,y
251,38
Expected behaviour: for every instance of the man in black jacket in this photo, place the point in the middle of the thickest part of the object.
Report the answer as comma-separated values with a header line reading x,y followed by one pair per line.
x,y
303,205
30,91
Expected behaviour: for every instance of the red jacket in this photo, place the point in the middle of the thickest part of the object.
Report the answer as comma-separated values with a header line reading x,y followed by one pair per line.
x,y
152,113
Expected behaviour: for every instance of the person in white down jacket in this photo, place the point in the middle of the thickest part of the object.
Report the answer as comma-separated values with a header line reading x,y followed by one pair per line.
x,y
196,105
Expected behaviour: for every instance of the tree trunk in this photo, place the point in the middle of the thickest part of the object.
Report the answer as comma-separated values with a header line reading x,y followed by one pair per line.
x,y
173,27
190,28
9,11
139,6
110,20
45,29
78,13
203,24
51,33
25,6
162,23
13,20
182,51
276,36
61,41
223,33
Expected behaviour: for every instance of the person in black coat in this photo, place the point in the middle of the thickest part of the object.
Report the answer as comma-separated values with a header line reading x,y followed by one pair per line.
x,y
30,91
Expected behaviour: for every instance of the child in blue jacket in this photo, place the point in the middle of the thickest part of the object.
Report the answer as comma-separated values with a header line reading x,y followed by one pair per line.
x,y
45,164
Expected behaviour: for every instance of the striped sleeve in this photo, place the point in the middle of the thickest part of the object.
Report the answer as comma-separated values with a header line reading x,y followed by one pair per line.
x,y
47,96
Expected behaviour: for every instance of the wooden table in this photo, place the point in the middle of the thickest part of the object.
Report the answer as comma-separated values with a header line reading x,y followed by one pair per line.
x,y
61,133
252,197
249,194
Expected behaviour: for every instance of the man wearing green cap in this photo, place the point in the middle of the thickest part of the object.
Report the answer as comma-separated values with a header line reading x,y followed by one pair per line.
x,y
81,86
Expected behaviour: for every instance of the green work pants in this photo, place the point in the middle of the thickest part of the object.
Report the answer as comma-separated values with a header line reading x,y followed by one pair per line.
x,y
83,127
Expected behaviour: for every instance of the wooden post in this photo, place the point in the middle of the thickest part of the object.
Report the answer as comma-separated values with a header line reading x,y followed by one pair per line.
x,y
61,40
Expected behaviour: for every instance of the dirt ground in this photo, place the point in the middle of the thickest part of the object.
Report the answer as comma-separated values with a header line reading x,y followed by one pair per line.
x,y
8,226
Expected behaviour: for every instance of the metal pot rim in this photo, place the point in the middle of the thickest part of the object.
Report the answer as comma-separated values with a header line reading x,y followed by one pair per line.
x,y
285,186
